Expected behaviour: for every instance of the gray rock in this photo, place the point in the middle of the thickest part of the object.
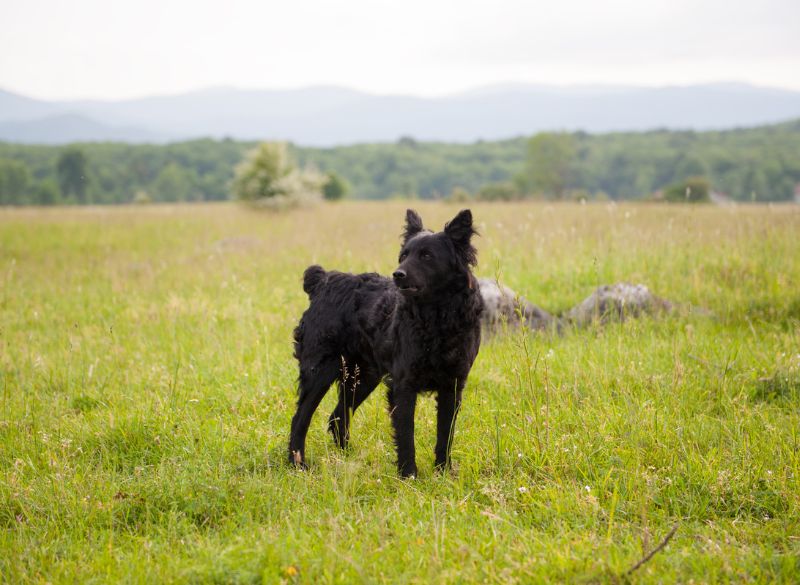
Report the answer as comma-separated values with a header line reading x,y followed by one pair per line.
x,y
502,306
616,302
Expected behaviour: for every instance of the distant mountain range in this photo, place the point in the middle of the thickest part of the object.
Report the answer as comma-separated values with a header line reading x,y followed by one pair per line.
x,y
328,116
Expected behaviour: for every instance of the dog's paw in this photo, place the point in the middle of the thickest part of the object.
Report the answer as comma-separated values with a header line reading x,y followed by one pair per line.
x,y
296,460
408,471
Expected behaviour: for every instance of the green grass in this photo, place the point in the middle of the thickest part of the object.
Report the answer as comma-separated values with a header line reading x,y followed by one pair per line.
x,y
147,384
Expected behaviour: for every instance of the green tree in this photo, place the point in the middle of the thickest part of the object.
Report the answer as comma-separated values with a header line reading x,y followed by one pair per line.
x,y
173,183
14,178
72,173
550,163
335,187
689,166
755,184
46,192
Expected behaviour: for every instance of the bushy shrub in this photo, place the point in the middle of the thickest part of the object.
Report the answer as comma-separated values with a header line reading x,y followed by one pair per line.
x,y
335,187
268,177
691,190
499,192
459,195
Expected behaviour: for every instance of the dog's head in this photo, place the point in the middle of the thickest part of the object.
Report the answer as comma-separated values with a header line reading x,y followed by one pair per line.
x,y
434,262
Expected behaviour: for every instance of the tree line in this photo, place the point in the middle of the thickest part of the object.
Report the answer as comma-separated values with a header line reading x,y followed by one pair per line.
x,y
755,164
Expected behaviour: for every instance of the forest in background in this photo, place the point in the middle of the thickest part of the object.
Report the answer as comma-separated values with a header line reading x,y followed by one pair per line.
x,y
753,164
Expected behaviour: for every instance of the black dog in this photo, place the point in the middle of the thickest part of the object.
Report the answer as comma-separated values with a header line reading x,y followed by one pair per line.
x,y
418,332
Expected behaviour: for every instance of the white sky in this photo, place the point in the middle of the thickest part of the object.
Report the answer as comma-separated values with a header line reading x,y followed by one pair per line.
x,y
109,49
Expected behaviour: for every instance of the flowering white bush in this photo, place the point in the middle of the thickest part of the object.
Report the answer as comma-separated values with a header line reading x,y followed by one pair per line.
x,y
269,178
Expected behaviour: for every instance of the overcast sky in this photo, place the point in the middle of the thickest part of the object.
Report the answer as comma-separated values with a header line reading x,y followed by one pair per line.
x,y
110,49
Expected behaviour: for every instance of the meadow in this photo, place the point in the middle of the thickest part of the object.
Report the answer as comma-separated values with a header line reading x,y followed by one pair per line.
x,y
147,383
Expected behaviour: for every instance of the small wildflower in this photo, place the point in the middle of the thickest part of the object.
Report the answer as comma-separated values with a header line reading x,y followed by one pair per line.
x,y
291,571
522,489
587,488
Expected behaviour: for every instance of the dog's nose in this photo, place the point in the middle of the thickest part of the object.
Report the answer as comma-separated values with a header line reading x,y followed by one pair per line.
x,y
399,274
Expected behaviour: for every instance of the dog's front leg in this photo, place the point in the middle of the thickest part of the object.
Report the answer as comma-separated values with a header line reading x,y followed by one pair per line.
x,y
447,406
402,403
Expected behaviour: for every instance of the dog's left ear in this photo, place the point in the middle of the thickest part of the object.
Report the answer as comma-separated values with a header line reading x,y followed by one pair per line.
x,y
460,231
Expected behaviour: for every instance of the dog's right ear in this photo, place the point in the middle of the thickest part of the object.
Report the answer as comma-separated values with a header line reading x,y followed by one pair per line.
x,y
413,225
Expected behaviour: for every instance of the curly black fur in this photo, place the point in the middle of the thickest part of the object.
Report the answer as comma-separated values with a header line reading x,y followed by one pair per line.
x,y
418,332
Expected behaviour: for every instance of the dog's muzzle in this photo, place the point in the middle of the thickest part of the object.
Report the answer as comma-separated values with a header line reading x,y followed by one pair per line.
x,y
401,282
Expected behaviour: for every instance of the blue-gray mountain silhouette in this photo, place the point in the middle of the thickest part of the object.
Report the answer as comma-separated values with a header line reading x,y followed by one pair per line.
x,y
327,116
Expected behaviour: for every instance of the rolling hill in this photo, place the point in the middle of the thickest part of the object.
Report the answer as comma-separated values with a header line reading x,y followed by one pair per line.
x,y
329,116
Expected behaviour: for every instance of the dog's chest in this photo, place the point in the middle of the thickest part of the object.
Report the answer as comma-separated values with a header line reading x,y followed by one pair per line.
x,y
434,357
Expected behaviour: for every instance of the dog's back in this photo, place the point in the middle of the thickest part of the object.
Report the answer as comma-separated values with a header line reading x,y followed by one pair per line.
x,y
341,306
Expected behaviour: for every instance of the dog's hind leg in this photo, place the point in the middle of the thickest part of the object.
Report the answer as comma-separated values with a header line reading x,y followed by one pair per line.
x,y
314,383
353,390
447,406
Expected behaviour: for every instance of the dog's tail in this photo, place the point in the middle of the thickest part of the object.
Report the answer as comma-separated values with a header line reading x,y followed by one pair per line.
x,y
313,278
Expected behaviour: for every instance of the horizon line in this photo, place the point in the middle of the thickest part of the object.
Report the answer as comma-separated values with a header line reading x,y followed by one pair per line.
x,y
499,86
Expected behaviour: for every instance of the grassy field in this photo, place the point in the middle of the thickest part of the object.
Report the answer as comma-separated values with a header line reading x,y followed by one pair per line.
x,y
147,384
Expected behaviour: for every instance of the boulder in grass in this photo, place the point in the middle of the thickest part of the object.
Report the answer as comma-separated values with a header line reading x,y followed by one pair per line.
x,y
503,306
614,302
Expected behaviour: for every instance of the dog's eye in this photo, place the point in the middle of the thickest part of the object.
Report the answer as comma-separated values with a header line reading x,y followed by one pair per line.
x,y
403,256
425,255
